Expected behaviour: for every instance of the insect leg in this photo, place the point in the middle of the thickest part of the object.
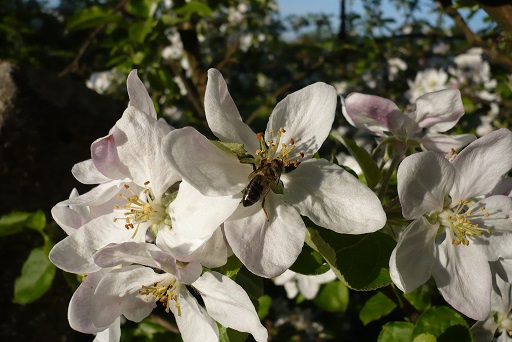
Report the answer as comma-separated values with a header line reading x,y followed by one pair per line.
x,y
264,210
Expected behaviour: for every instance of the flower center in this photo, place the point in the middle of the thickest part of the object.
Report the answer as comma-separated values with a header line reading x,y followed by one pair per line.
x,y
165,292
461,223
269,149
143,209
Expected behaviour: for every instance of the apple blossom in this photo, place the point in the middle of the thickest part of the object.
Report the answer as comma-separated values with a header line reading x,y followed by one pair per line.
x,y
308,285
454,236
268,236
435,113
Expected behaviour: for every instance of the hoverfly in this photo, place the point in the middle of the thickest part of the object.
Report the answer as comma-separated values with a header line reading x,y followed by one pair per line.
x,y
261,181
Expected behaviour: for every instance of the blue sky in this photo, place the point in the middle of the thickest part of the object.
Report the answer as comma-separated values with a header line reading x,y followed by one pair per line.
x,y
288,7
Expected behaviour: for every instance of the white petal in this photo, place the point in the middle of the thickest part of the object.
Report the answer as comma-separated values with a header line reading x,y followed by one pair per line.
x,y
504,187
85,172
96,196
286,277
370,112
222,115
118,294
125,254
439,111
111,334
138,94
462,274
75,253
266,248
194,323
411,261
444,143
195,215
306,115
333,198
481,165
291,288
308,287
424,179
227,303
138,140
68,219
485,330
211,171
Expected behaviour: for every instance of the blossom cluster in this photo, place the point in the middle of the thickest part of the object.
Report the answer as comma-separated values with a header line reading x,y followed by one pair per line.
x,y
169,206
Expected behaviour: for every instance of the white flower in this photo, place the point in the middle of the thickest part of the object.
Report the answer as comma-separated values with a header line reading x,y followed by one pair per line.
x,y
426,81
453,237
308,285
269,239
395,65
134,289
435,113
101,81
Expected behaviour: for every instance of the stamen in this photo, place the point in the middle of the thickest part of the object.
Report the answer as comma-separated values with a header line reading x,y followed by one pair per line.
x,y
461,223
164,292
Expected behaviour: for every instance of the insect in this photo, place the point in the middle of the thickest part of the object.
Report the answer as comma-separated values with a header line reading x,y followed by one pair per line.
x,y
261,181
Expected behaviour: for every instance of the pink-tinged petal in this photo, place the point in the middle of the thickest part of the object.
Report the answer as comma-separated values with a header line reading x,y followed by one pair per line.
x,y
504,187
444,143
480,166
463,276
424,180
138,94
333,198
306,116
194,323
138,140
75,253
266,248
105,158
411,261
228,303
212,171
370,112
499,222
80,310
85,172
197,216
222,115
210,252
118,294
439,111
111,334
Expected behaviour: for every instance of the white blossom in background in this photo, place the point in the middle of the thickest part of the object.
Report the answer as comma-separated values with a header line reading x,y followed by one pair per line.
x,y
395,65
245,41
440,48
341,87
435,113
268,236
102,81
455,232
181,85
307,285
486,121
369,79
426,81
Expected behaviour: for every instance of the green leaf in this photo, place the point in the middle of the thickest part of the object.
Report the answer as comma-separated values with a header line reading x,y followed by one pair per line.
x,y
309,262
437,320
91,17
333,297
396,332
456,333
138,31
264,307
230,335
141,8
36,221
379,305
36,277
194,8
426,337
370,168
419,298
14,222
251,283
360,261
231,268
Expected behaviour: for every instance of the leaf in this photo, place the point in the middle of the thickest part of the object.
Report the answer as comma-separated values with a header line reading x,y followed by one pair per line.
x,y
251,283
359,261
370,168
379,305
333,297
138,31
231,268
419,298
14,222
141,8
426,337
396,332
91,17
264,307
36,277
230,335
437,320
194,7
309,262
